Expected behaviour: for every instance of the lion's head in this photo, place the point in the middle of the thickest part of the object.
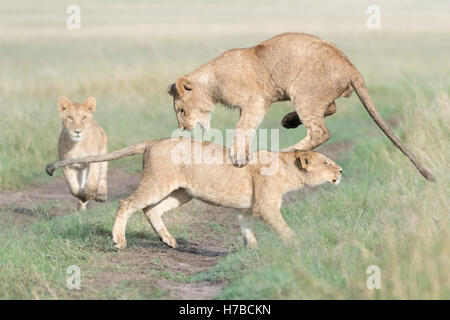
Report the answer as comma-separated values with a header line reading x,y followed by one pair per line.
x,y
76,117
318,168
192,104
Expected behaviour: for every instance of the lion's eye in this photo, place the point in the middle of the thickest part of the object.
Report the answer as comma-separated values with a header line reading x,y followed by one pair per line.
x,y
83,118
70,118
181,111
326,163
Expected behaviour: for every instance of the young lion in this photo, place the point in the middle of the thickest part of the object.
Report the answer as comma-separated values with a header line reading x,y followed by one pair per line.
x,y
169,181
82,136
310,72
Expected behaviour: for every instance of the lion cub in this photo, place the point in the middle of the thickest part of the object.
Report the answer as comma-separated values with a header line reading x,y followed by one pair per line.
x,y
169,181
82,136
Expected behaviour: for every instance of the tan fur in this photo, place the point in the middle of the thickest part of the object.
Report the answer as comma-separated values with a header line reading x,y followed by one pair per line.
x,y
166,185
310,72
82,136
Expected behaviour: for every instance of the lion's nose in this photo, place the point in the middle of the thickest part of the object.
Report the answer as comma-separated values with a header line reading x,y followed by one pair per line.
x,y
77,131
340,170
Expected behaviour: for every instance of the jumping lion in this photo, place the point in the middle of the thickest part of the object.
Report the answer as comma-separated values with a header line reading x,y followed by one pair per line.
x,y
310,72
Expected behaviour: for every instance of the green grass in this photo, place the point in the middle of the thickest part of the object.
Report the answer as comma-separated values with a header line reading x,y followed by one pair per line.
x,y
383,213
34,258
40,254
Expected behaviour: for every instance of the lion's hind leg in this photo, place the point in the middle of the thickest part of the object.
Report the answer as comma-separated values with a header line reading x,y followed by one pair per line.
x,y
154,214
311,110
147,194
316,134
292,120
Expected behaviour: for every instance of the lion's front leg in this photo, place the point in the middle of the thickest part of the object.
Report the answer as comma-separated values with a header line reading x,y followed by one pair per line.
x,y
96,182
71,176
267,208
271,216
102,191
251,118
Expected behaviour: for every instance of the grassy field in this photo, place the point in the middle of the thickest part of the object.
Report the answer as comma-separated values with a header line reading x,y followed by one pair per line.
x,y
127,53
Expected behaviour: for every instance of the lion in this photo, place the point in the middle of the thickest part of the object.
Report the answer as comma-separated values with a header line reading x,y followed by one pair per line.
x,y
81,136
168,182
302,68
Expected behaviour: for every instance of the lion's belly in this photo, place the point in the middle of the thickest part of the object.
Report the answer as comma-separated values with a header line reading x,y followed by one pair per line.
x,y
223,198
232,191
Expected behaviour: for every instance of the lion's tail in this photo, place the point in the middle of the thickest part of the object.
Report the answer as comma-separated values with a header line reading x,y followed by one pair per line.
x,y
129,151
363,94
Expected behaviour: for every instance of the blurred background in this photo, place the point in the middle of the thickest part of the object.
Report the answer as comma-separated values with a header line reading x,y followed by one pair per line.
x,y
126,53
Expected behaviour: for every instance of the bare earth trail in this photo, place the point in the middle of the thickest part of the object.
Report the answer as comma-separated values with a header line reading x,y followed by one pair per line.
x,y
147,265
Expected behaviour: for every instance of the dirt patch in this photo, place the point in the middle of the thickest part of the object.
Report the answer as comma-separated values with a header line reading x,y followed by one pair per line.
x,y
151,265
147,264
56,198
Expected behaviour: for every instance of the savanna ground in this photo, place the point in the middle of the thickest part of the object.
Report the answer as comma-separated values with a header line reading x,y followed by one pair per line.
x,y
126,54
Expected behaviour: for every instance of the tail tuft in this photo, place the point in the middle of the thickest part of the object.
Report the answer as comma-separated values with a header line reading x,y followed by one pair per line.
x,y
50,169
291,120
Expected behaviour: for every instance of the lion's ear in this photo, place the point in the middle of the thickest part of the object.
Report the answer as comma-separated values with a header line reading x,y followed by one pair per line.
x,y
183,85
90,104
63,103
172,90
303,160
